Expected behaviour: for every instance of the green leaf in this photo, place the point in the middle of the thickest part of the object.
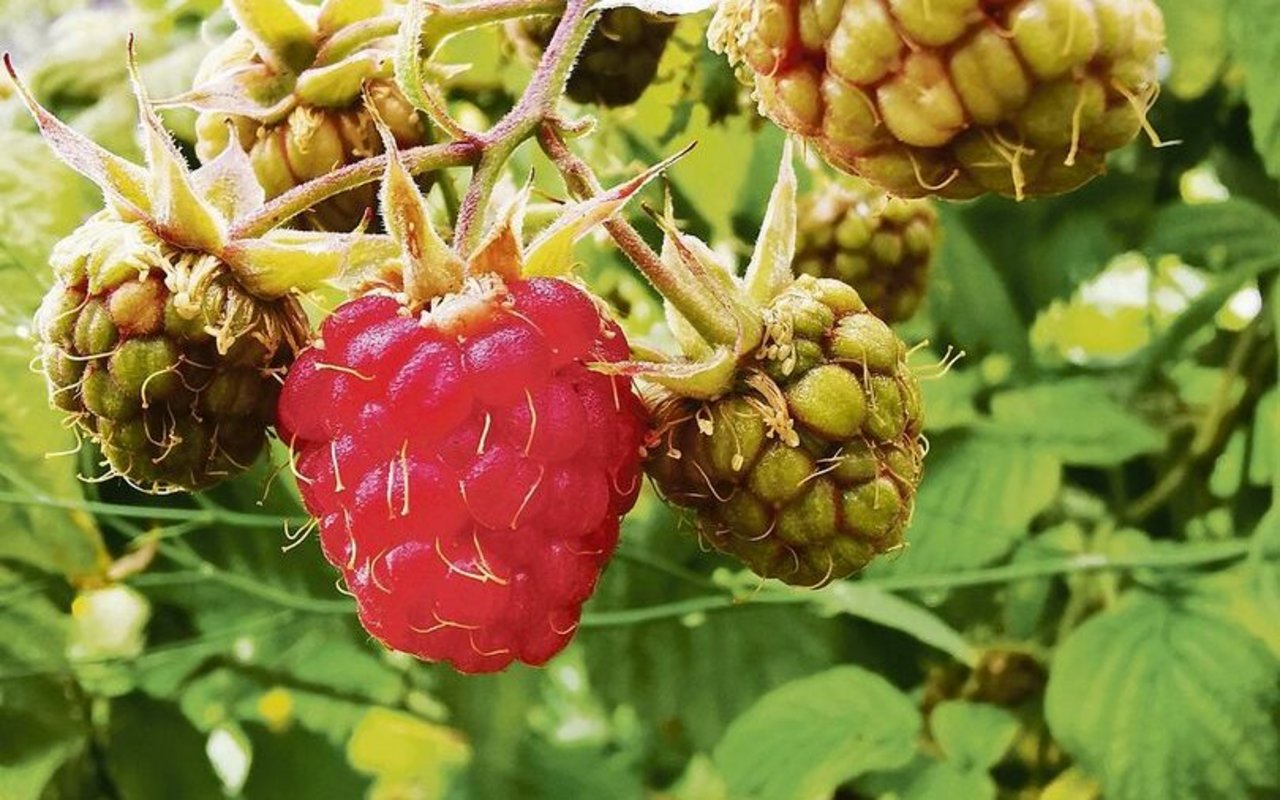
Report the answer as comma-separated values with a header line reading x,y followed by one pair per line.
x,y
178,766
891,611
672,672
975,736
1076,420
929,779
1215,234
299,763
964,280
808,737
52,732
1195,33
1167,698
977,499
555,771
1255,44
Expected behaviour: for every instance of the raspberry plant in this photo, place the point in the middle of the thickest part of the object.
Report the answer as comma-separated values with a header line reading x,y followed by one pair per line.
x,y
778,539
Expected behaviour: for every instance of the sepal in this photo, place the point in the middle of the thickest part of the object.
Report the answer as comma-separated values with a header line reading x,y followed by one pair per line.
x,y
281,30
550,254
431,268
770,270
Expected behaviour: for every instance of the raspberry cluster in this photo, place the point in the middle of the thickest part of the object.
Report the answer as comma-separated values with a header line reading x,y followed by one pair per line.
x,y
880,245
952,97
160,356
808,468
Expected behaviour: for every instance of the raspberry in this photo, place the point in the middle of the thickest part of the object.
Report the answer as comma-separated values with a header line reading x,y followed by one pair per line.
x,y
159,355
619,60
956,98
879,245
806,468
467,468
298,115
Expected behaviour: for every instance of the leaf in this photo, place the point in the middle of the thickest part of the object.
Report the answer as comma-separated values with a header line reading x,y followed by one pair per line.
x,y
298,763
929,779
672,672
769,272
555,770
964,281
1220,234
809,736
977,499
140,725
1076,420
1195,32
891,611
52,732
1166,697
974,736
1256,48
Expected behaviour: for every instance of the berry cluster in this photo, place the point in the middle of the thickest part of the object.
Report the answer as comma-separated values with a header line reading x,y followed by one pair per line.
x,y
807,468
880,245
1019,97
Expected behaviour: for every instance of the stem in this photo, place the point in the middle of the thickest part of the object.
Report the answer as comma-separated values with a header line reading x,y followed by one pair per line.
x,y
1251,355
417,160
536,105
445,21
209,516
1087,563
709,314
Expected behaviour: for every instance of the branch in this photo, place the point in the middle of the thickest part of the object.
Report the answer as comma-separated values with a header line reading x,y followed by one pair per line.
x,y
537,104
417,160
1086,563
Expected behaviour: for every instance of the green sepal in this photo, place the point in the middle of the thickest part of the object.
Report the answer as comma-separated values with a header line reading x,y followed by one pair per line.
x,y
123,183
282,34
286,260
704,379
770,270
410,69
229,182
177,209
551,253
501,252
340,83
431,268
338,14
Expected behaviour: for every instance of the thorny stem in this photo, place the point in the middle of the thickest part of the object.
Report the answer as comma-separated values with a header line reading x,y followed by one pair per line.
x,y
417,160
448,20
690,299
537,104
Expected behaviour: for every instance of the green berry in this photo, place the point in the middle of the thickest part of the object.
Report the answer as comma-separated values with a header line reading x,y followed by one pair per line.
x,y
808,467
140,358
952,97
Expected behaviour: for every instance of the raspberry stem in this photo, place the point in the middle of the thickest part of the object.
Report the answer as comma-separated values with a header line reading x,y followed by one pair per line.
x,y
708,313
535,106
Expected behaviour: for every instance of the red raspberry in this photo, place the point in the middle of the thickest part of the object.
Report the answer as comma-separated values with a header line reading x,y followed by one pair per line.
x,y
468,469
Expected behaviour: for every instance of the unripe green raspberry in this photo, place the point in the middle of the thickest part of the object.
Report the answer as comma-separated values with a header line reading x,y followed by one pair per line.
x,y
619,60
808,468
952,97
880,245
305,136
160,356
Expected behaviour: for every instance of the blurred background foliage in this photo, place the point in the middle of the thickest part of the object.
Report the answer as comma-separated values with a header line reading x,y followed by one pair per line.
x,y
1088,606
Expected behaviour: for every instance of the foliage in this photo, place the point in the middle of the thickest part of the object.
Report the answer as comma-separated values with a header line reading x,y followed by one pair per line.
x,y
1098,498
